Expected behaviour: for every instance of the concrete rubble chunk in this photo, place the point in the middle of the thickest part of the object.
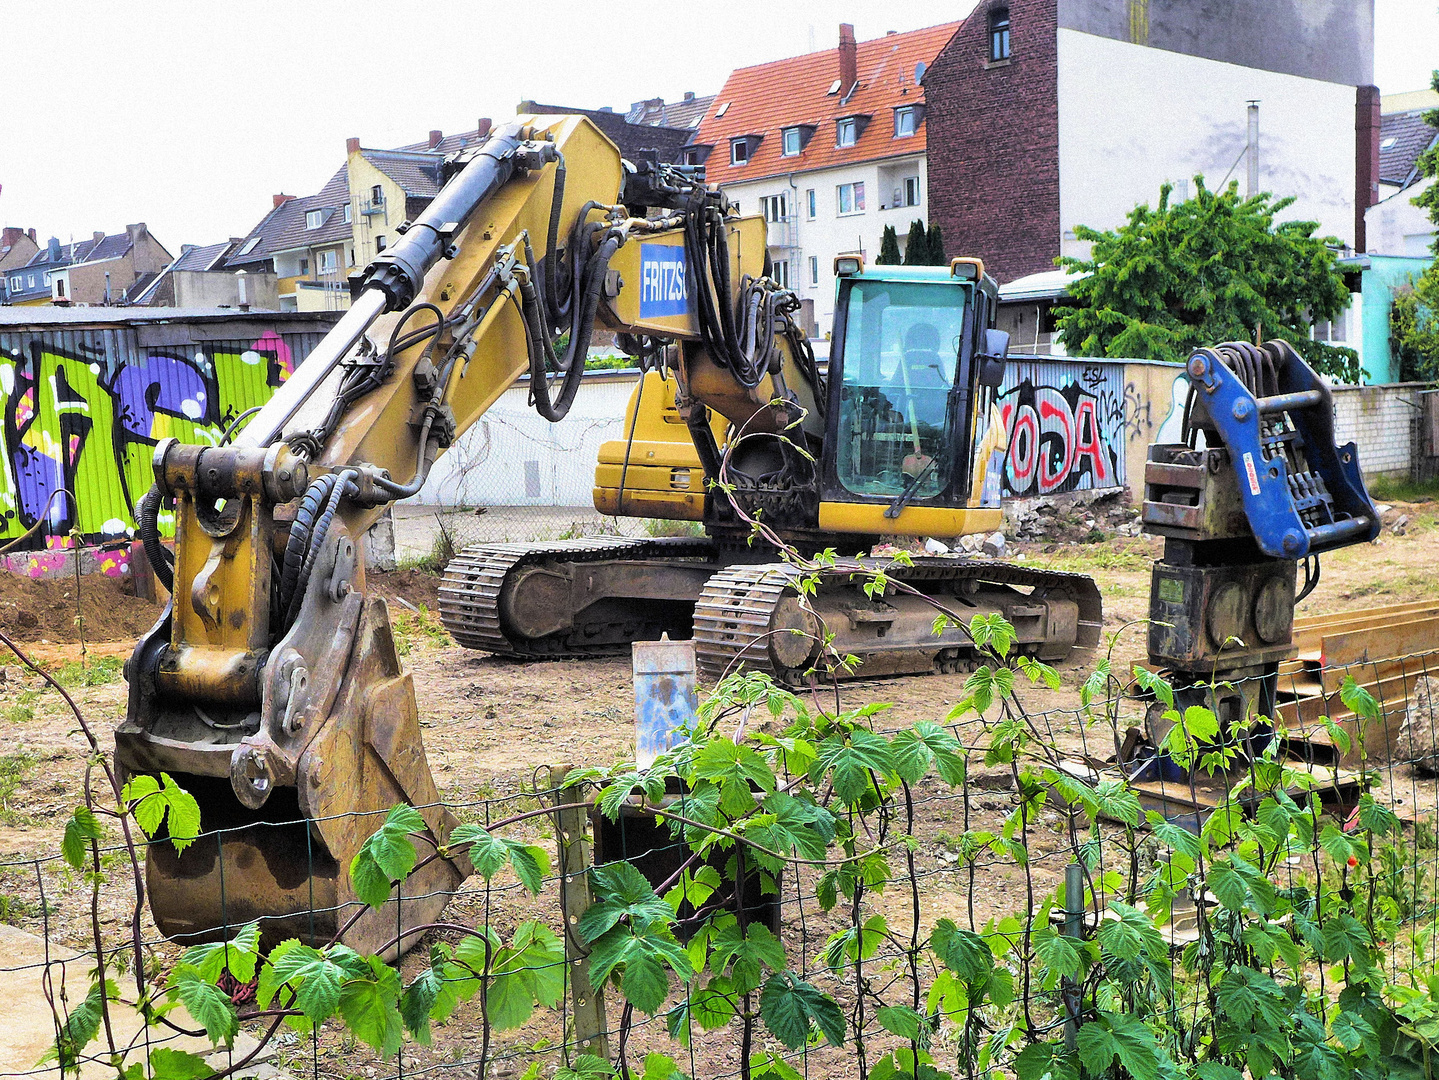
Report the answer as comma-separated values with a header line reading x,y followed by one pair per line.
x,y
994,545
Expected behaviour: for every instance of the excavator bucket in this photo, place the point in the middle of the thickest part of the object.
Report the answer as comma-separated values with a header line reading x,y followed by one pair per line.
x,y
292,784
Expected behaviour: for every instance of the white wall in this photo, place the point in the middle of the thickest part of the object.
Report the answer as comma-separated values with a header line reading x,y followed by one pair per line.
x,y
512,456
1132,117
1395,226
829,233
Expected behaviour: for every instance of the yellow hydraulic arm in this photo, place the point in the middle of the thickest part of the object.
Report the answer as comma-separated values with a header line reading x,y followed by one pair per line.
x,y
271,687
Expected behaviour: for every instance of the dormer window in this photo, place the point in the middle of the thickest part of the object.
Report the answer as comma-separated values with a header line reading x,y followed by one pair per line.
x,y
314,219
795,139
848,129
741,149
907,120
697,154
998,33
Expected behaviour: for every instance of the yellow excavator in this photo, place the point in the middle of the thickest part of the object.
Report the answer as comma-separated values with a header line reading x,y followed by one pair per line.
x,y
271,689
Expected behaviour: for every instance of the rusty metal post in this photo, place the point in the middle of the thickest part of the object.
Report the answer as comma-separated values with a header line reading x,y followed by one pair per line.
x,y
572,846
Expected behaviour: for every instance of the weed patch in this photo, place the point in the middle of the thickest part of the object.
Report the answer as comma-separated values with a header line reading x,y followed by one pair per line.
x,y
412,628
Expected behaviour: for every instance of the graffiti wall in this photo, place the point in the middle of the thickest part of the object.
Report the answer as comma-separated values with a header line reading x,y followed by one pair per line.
x,y
1065,425
81,411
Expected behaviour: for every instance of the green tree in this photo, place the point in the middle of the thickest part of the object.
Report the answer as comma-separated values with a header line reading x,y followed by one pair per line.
x,y
916,245
1414,318
936,247
888,248
1213,268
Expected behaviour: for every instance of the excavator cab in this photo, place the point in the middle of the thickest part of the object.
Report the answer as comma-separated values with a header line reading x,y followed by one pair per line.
x,y
911,376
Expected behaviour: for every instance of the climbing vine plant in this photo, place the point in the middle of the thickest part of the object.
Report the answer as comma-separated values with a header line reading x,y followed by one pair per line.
x,y
1288,973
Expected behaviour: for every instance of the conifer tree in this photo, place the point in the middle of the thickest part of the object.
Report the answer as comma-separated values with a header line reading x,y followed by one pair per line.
x,y
936,247
916,245
888,248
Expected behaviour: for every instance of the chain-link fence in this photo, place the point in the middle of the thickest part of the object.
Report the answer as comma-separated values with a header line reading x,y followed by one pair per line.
x,y
947,898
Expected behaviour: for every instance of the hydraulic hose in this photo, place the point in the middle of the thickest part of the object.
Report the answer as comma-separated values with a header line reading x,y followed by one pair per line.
x,y
311,504
342,487
148,518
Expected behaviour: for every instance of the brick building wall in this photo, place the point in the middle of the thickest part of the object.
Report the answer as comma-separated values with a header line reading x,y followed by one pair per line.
x,y
1384,421
994,141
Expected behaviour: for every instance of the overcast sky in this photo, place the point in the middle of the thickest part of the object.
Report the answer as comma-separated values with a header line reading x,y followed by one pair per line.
x,y
190,115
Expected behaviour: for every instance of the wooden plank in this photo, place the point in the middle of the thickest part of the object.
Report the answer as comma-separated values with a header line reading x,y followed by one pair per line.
x,y
572,844
1416,638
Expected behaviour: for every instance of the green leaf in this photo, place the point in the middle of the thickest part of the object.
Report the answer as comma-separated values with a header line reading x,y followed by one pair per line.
x,y
749,953
153,802
734,768
418,999
1131,935
622,893
387,856
81,1026
1379,820
903,1021
207,1003
1155,684
1128,1038
1046,1061
962,951
849,761
169,1064
371,1007
713,1006
80,830
1061,956
1358,700
640,961
661,1067
927,742
312,976
586,1067
238,956
789,1005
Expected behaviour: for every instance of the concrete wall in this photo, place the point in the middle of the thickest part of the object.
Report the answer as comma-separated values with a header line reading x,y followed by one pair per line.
x,y
1396,226
1131,118
1332,40
206,288
512,456
828,232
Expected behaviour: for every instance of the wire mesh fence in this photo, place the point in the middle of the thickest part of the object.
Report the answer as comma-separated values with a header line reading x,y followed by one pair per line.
x,y
910,883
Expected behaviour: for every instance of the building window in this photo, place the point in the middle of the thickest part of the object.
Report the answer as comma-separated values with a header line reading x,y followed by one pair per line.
x,y
29,281
911,191
904,122
738,151
380,243
377,195
851,198
774,207
347,214
999,33
327,262
792,142
314,219
15,283
250,245
814,269
350,255
781,273
846,132
809,201
60,288
304,267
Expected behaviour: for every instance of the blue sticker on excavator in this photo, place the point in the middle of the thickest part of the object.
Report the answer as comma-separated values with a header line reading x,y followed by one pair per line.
x,y
663,289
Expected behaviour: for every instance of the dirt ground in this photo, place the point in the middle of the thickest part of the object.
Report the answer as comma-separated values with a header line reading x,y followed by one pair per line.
x,y
491,727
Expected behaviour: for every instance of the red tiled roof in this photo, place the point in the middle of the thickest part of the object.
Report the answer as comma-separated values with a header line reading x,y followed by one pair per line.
x,y
784,93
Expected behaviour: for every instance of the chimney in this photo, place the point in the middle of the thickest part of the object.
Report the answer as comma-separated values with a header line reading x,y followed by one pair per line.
x,y
352,145
9,235
848,60
689,95
435,137
281,200
32,234
52,250
98,236
1366,160
137,232
484,126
